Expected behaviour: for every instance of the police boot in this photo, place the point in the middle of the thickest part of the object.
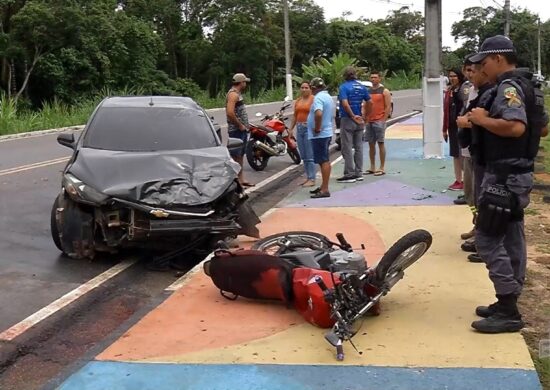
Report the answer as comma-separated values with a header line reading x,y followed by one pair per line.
x,y
505,318
487,311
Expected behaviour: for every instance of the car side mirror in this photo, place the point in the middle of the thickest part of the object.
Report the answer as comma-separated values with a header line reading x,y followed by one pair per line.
x,y
234,143
66,139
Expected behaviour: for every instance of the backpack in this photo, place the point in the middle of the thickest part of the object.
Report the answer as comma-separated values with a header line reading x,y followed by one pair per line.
x,y
251,274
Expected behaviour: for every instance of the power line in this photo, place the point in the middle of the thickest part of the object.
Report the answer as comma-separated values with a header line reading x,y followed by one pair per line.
x,y
394,3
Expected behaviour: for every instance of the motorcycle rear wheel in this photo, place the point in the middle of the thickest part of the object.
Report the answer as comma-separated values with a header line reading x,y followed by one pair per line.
x,y
295,156
300,240
257,159
402,254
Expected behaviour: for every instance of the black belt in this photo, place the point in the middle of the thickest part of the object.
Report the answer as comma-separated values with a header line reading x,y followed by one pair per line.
x,y
505,169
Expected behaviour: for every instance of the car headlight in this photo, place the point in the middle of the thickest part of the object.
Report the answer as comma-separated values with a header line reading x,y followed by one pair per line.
x,y
82,192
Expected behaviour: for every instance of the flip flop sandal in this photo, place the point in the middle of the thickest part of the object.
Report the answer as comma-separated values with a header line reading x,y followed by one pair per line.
x,y
379,173
315,191
369,172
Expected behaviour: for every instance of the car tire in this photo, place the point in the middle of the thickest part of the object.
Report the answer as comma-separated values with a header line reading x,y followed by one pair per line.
x,y
54,229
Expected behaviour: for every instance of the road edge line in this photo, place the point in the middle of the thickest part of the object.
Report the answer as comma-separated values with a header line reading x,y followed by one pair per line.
x,y
32,320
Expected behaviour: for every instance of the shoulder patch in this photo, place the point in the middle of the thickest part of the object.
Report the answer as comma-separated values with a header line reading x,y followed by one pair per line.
x,y
511,94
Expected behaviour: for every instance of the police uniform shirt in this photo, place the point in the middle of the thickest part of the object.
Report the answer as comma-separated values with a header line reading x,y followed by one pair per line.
x,y
508,104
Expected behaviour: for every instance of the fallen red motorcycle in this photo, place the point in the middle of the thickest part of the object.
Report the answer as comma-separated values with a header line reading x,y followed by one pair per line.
x,y
271,139
329,283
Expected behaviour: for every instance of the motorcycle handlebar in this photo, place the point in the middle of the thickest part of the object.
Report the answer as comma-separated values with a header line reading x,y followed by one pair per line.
x,y
341,239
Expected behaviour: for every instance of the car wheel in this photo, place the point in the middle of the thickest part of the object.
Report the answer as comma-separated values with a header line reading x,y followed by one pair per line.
x,y
75,231
53,225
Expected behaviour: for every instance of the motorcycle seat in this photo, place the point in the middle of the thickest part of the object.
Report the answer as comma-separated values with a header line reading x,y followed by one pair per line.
x,y
266,129
307,258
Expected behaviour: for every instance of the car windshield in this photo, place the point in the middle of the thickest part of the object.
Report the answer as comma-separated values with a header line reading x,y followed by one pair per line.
x,y
149,129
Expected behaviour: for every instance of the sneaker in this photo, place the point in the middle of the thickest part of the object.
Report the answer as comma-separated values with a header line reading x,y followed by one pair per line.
x,y
347,179
359,177
320,195
456,186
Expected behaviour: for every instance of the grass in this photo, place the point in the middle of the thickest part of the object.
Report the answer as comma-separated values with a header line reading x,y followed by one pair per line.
x,y
58,114
545,142
402,80
542,365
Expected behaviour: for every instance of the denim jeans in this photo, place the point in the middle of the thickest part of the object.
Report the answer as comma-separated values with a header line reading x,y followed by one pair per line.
x,y
306,150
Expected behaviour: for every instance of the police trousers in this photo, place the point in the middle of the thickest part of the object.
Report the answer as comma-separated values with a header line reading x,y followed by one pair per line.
x,y
505,255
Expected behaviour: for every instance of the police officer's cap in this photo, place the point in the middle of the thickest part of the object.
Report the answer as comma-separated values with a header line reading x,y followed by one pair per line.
x,y
498,44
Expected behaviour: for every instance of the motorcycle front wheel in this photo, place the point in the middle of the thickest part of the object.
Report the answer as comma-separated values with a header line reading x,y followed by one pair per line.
x,y
257,159
295,156
405,252
297,240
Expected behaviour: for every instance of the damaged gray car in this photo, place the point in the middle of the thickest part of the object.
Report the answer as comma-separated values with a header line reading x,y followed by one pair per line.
x,y
149,172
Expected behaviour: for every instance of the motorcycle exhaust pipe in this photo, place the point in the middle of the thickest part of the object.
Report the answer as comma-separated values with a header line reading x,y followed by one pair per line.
x,y
266,148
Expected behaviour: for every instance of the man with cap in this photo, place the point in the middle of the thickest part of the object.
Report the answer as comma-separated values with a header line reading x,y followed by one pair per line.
x,y
319,124
510,120
237,119
352,95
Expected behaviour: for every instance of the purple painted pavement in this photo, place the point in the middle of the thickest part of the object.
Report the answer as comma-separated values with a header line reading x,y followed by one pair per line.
x,y
383,192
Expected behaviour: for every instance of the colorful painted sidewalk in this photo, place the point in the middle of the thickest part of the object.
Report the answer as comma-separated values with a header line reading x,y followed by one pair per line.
x,y
196,339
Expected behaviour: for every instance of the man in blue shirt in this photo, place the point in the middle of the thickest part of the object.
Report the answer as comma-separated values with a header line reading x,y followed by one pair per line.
x,y
319,125
352,95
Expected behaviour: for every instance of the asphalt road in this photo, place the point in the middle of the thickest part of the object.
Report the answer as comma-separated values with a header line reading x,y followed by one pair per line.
x,y
33,273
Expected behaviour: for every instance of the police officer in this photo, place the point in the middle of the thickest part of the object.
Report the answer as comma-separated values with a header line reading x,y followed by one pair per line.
x,y
511,120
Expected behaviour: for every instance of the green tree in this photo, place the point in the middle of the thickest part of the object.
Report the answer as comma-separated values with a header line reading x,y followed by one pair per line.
x,y
330,70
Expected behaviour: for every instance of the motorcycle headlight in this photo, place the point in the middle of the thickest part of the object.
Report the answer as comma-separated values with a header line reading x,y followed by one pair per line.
x,y
82,192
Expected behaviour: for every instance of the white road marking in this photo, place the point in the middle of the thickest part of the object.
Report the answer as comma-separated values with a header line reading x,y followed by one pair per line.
x,y
265,182
62,302
28,167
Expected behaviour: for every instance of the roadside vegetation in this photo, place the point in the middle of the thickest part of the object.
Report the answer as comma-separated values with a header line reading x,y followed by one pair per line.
x,y
52,73
535,300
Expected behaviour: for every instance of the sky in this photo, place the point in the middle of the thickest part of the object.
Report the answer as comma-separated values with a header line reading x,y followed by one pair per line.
x,y
451,11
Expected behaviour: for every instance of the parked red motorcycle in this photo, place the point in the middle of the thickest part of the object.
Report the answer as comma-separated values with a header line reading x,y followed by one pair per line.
x,y
271,139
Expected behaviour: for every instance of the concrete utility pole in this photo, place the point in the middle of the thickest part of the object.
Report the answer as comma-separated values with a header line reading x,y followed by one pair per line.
x,y
432,82
539,70
287,51
507,18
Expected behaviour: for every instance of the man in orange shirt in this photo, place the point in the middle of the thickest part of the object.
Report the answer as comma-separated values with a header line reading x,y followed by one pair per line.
x,y
376,125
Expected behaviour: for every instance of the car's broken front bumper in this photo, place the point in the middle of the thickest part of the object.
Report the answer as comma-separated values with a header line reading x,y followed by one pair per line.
x,y
142,227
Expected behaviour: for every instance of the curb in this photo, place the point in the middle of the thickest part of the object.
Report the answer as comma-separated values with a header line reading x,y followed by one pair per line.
x,y
38,133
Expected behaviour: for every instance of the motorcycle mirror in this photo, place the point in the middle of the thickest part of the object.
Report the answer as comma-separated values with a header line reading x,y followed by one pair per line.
x,y
287,99
259,114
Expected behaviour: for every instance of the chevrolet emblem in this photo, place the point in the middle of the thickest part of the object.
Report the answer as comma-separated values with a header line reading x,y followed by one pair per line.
x,y
159,213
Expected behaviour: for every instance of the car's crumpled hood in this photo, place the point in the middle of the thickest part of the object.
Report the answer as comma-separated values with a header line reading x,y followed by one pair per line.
x,y
160,179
